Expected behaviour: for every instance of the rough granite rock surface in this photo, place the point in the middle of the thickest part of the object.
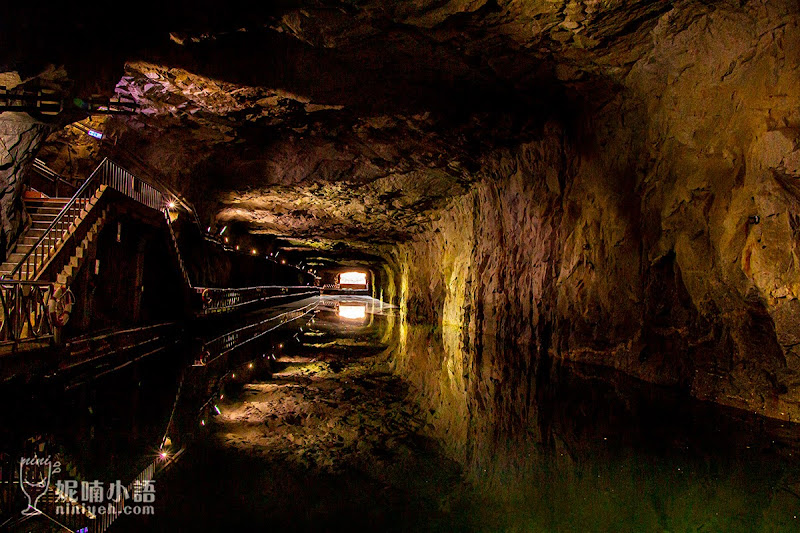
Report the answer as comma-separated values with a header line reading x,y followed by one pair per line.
x,y
659,238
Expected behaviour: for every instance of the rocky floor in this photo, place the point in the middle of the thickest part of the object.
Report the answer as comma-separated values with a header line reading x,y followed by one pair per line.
x,y
330,441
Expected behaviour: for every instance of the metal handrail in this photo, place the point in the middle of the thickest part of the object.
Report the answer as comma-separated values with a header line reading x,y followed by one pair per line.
x,y
181,263
40,167
224,300
56,179
111,175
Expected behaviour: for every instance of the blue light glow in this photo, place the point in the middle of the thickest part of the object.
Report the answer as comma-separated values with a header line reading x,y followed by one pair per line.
x,y
95,134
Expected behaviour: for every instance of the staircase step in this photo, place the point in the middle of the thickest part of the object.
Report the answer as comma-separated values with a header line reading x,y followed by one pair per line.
x,y
41,225
46,208
47,200
15,257
22,248
37,211
45,215
29,239
33,233
43,218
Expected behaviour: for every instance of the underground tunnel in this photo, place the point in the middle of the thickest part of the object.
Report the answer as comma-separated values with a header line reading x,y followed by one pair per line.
x,y
438,265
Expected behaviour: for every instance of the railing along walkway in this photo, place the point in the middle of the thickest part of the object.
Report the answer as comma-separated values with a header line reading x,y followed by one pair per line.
x,y
224,300
25,314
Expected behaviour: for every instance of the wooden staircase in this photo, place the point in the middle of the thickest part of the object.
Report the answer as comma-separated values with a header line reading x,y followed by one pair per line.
x,y
42,211
67,273
62,230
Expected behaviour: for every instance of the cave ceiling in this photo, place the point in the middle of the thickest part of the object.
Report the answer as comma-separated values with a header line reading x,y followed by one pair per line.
x,y
349,125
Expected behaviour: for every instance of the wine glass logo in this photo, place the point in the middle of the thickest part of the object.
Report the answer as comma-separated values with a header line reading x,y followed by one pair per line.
x,y
34,480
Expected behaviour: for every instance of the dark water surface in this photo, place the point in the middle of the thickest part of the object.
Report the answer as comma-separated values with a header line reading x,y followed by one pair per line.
x,y
314,433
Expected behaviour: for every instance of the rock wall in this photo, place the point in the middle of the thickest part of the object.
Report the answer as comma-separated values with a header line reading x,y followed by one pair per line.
x,y
20,138
657,235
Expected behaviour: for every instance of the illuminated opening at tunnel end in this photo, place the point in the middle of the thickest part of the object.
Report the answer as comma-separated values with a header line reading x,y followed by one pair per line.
x,y
353,278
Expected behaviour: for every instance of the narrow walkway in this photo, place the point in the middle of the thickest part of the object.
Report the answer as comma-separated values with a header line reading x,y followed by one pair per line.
x,y
328,443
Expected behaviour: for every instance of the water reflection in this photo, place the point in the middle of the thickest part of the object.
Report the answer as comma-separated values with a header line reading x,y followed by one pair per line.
x,y
352,311
557,447
549,447
112,425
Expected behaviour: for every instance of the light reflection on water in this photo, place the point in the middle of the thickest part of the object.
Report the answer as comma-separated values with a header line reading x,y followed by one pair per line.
x,y
559,447
571,449
352,311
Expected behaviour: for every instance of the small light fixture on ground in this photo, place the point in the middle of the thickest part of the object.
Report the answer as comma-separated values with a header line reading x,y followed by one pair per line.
x,y
254,251
96,134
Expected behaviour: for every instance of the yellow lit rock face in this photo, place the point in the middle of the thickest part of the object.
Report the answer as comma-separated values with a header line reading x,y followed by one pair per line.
x,y
661,241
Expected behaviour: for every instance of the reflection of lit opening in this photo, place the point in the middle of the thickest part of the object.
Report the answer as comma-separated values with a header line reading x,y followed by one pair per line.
x,y
353,278
352,311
